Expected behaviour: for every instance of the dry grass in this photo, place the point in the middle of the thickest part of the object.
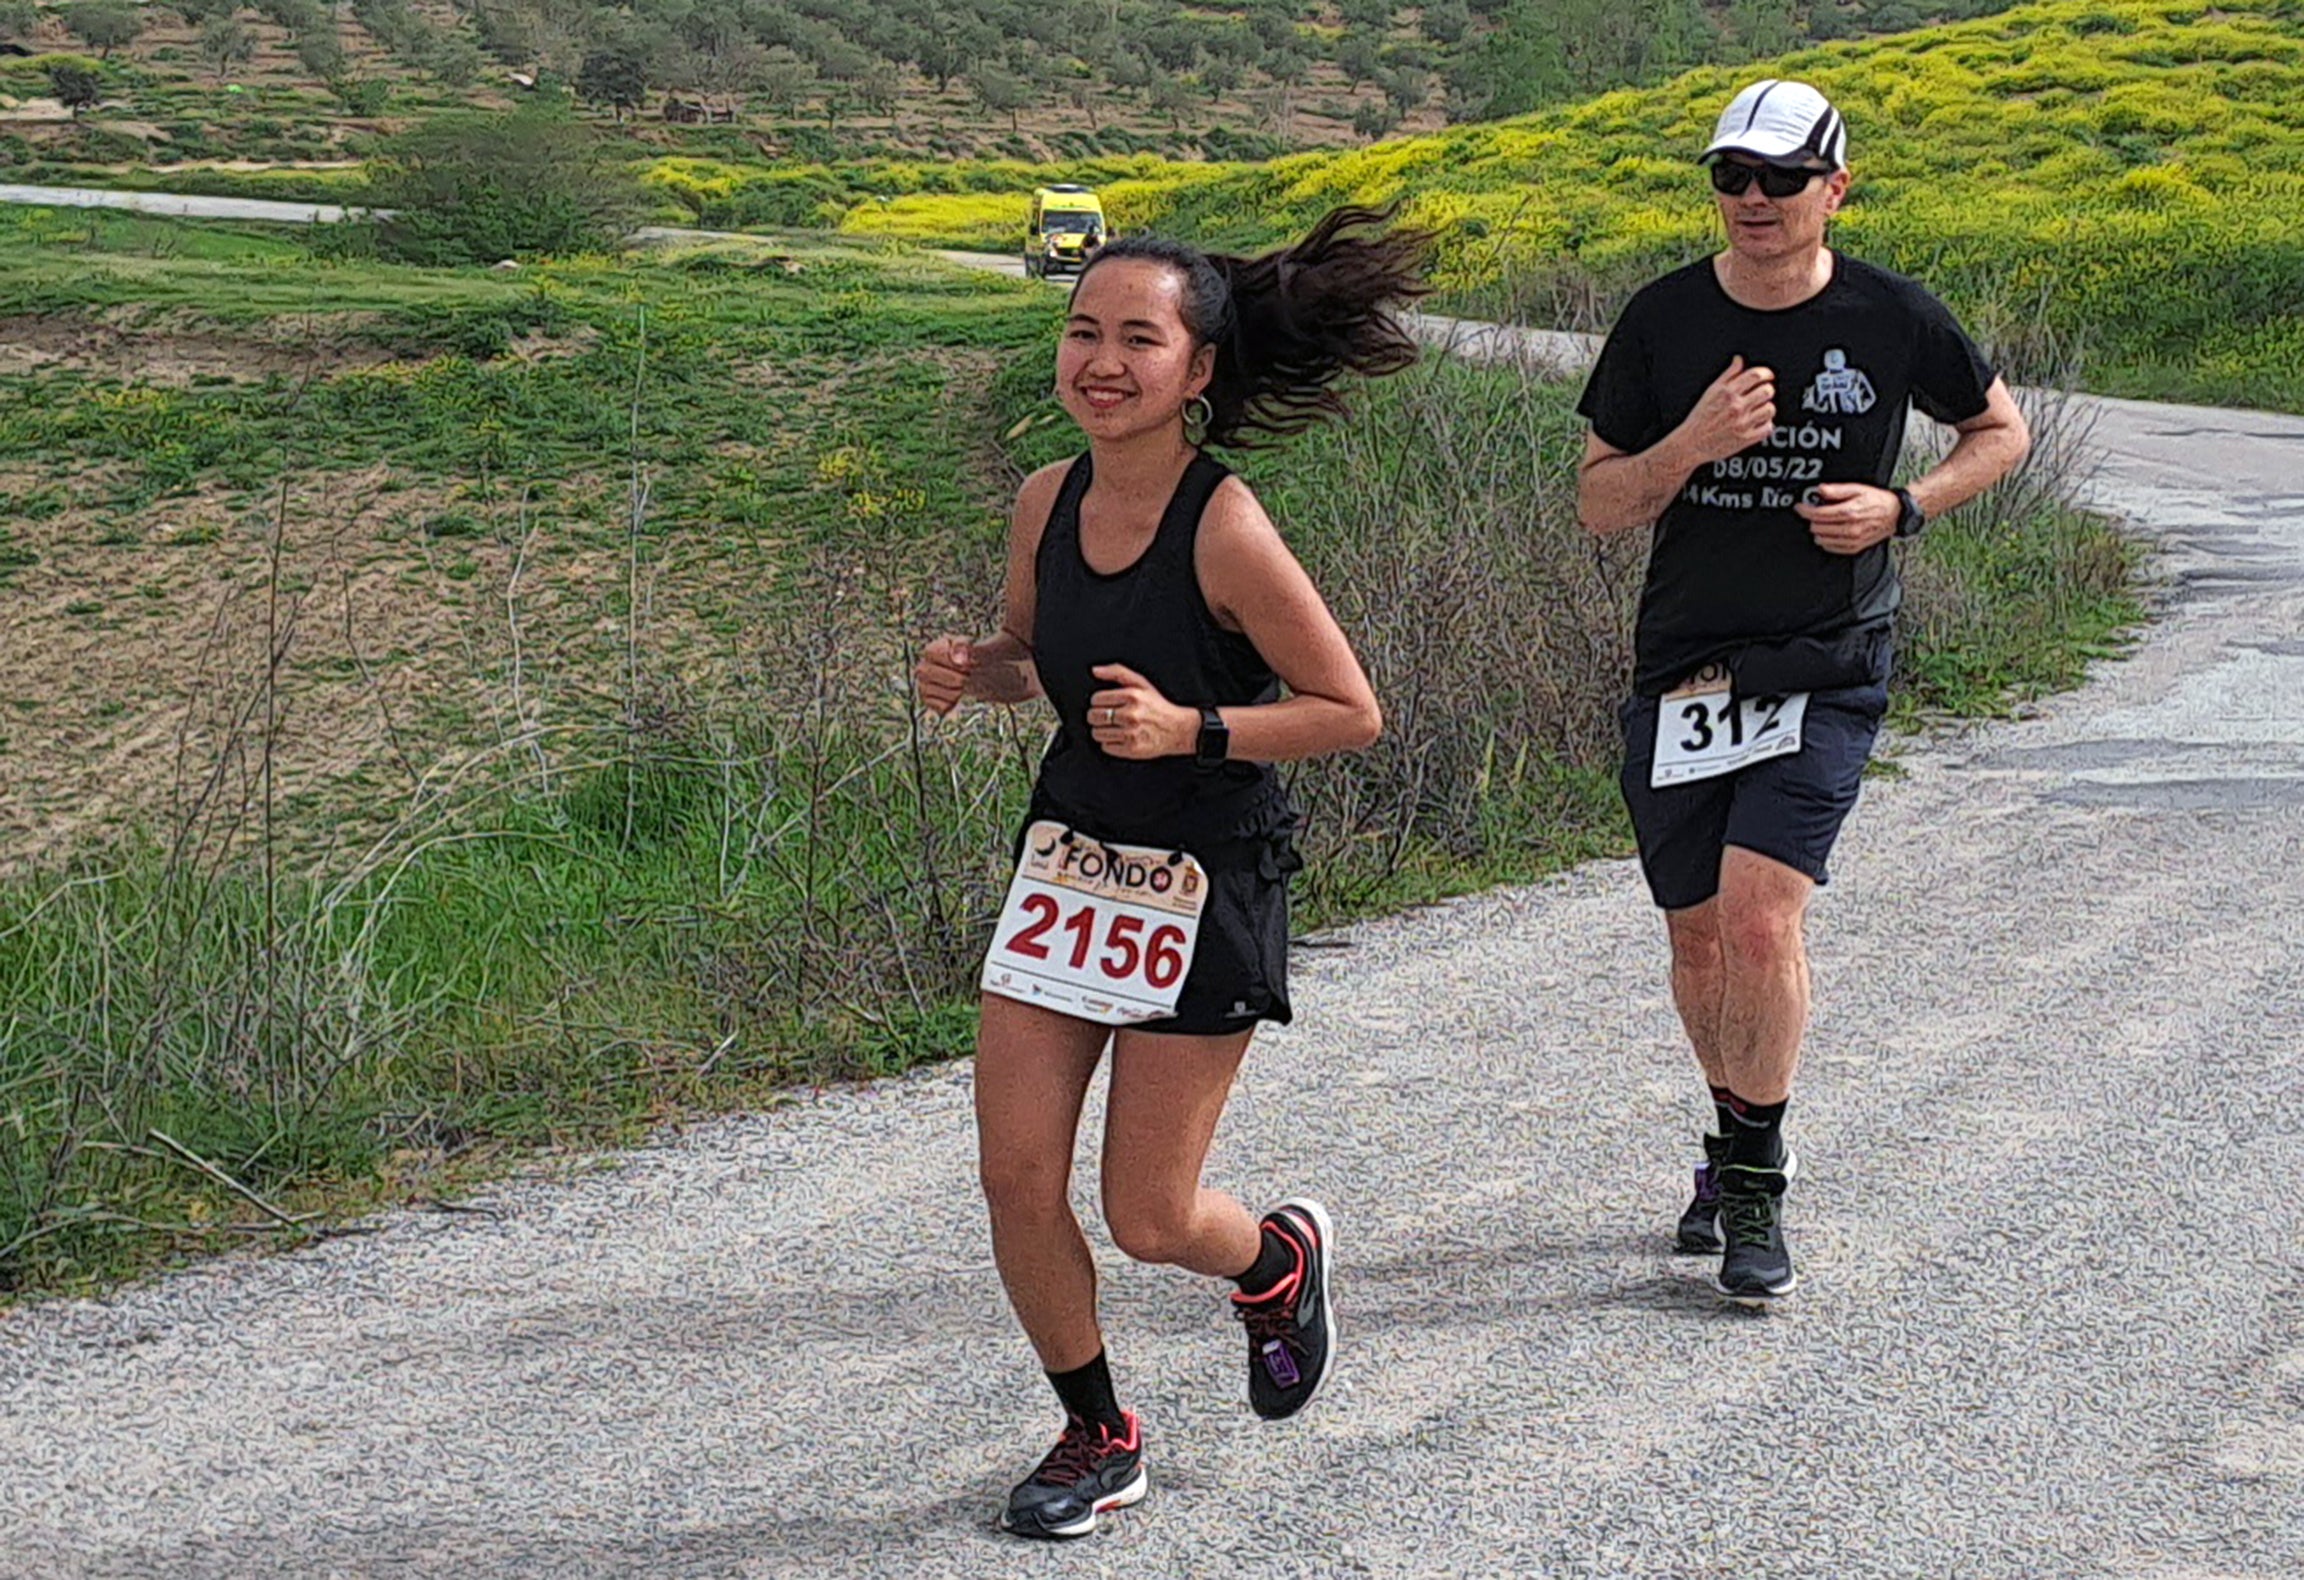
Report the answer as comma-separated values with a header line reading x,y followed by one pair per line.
x,y
122,657
151,350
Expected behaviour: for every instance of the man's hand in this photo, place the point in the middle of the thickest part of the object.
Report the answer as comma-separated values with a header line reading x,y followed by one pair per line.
x,y
1736,413
1131,719
943,671
1849,518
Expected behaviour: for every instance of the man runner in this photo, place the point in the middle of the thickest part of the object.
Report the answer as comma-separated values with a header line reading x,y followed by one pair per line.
x,y
1752,407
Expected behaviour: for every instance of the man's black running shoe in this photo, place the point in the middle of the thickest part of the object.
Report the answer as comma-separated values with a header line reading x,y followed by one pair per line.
x,y
1699,1233
1091,1470
1291,1326
1757,1267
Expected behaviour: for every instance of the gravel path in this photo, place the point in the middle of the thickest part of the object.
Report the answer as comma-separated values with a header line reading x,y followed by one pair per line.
x,y
2051,1324
174,205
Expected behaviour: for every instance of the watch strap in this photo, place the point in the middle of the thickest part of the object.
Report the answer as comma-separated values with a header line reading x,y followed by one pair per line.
x,y
1215,742
1912,518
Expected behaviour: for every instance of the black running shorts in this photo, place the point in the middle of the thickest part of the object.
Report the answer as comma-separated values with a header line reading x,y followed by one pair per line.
x,y
1788,809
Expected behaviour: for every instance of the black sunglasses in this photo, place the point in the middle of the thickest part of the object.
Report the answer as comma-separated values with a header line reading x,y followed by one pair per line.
x,y
1776,181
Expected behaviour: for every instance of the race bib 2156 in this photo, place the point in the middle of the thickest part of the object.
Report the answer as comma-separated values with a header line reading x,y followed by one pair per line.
x,y
1098,931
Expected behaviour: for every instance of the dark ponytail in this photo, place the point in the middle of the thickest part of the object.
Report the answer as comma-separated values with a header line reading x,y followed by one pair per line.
x,y
1287,325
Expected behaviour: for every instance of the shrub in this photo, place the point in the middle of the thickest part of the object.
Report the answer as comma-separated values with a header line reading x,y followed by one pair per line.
x,y
724,196
477,188
361,95
77,83
451,59
102,145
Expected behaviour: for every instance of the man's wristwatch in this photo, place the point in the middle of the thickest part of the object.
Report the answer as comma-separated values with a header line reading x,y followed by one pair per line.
x,y
1215,740
1909,523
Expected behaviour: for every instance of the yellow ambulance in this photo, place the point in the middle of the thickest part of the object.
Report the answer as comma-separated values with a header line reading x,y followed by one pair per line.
x,y
1066,228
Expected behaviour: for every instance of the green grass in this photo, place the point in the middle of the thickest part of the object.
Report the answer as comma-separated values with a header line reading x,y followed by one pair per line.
x,y
723,855
542,949
451,405
2012,598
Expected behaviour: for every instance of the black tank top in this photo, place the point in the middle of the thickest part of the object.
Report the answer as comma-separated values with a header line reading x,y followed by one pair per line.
x,y
1153,618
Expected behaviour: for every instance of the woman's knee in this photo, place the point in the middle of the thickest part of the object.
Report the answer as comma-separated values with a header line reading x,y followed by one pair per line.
x,y
1023,1189
1148,1228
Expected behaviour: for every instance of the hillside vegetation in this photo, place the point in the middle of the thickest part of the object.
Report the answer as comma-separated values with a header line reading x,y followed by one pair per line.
x,y
2125,177
840,79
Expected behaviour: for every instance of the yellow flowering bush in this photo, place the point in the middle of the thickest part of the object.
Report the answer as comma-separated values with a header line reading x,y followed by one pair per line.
x,y
695,184
992,221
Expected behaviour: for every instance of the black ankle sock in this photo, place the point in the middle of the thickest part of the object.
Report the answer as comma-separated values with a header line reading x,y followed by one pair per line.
x,y
1755,1133
1087,1393
1275,1260
1723,1113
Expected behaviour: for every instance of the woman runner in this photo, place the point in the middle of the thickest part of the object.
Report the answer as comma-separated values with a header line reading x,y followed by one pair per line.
x,y
1150,599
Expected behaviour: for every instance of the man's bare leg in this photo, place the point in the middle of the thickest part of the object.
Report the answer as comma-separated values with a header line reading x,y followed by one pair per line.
x,y
1760,917
1699,982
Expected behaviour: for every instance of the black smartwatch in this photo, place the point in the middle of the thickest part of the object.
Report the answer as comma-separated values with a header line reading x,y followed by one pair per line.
x,y
1215,740
1909,523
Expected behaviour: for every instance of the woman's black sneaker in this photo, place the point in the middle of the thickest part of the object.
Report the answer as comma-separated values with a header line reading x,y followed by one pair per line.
x,y
1699,1232
1091,1470
1757,1266
1292,1325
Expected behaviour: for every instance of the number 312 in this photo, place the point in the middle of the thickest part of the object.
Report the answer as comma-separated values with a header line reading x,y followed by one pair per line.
x,y
1699,718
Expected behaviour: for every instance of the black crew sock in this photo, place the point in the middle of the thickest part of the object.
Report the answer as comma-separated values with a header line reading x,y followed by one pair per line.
x,y
1755,1134
1087,1394
1723,1111
1275,1260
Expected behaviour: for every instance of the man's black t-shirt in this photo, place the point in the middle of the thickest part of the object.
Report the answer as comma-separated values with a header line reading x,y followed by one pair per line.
x,y
1733,565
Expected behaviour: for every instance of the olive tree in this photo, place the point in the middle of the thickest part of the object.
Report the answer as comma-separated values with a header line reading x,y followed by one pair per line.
x,y
77,82
225,42
103,25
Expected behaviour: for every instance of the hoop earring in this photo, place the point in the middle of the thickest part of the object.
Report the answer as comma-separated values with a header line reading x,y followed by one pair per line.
x,y
1198,414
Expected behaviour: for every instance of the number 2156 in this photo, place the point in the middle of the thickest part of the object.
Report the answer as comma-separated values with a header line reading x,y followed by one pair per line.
x,y
1159,954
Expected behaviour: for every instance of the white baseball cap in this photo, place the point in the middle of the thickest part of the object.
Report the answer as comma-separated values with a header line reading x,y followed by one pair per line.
x,y
1783,122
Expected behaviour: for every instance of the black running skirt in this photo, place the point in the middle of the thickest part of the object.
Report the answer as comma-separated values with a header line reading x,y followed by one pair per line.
x,y
1239,972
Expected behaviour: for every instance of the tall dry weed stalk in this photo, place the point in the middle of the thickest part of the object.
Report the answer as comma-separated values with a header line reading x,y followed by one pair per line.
x,y
1493,626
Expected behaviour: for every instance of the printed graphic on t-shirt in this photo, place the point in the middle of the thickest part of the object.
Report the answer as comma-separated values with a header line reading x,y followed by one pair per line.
x,y
1840,388
1776,474
1794,455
